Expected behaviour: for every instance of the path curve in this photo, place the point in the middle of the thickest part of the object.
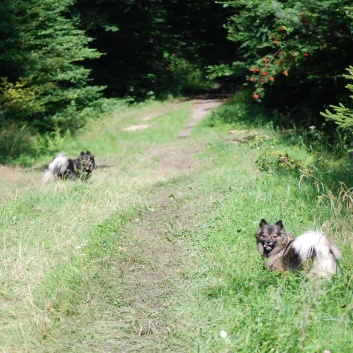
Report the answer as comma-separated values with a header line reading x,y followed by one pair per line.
x,y
201,107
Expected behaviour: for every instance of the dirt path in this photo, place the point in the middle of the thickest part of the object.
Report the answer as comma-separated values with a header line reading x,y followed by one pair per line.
x,y
151,282
179,157
201,107
136,306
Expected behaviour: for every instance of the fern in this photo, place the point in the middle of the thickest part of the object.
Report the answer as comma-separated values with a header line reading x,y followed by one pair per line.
x,y
342,115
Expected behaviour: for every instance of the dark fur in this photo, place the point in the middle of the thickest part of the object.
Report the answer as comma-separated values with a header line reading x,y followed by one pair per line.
x,y
273,243
283,159
81,167
62,167
311,252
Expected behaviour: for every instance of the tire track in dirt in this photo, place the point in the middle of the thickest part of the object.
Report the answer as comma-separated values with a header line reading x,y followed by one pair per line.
x,y
145,119
200,108
151,282
178,158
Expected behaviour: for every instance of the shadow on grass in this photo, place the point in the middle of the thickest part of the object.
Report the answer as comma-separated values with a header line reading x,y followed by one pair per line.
x,y
256,283
332,162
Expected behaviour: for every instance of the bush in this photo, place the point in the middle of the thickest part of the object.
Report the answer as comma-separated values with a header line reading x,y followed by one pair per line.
x,y
289,50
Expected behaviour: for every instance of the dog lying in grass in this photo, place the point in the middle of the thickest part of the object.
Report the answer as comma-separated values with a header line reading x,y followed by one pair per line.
x,y
62,167
312,251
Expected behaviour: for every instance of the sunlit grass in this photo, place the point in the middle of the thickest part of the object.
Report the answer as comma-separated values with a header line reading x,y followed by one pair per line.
x,y
44,226
66,245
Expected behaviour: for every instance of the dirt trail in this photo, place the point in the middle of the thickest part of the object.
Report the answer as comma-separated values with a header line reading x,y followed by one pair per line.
x,y
147,282
179,158
151,273
201,107
147,118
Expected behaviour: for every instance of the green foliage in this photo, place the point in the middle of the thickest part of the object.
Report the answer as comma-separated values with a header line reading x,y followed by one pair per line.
x,y
327,177
43,81
15,140
163,54
188,76
239,111
291,45
51,142
342,115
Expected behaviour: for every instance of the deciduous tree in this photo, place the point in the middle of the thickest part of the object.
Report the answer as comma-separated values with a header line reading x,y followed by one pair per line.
x,y
295,50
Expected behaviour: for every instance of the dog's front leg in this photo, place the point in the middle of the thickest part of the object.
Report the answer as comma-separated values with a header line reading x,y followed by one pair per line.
x,y
71,170
274,265
261,248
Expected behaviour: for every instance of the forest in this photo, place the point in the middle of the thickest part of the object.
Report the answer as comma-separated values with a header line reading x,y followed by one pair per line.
x,y
203,117
64,63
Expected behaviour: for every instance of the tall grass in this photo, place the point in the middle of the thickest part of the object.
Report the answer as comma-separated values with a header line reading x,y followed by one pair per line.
x,y
66,247
262,311
48,230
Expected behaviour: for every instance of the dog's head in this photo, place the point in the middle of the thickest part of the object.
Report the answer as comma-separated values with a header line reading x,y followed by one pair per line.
x,y
86,162
283,159
269,236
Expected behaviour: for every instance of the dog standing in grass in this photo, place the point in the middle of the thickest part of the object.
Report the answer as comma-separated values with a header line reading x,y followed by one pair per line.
x,y
312,251
62,167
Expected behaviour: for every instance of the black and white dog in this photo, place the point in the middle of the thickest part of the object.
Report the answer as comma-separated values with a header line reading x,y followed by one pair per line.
x,y
312,251
62,167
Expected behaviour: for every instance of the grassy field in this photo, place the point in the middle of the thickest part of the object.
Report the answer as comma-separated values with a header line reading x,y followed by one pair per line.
x,y
156,252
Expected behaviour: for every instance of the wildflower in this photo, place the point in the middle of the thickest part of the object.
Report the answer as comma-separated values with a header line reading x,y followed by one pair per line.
x,y
223,334
319,199
79,246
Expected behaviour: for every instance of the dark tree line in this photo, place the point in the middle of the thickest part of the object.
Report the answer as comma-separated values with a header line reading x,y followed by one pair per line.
x,y
153,46
58,60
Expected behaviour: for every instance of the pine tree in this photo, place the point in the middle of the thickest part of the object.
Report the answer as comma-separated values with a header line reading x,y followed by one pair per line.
x,y
44,83
342,115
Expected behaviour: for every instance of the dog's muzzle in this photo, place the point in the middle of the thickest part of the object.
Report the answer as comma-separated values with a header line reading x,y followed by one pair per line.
x,y
87,168
268,245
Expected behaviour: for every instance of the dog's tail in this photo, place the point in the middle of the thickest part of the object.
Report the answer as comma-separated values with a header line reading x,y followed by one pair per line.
x,y
315,246
57,166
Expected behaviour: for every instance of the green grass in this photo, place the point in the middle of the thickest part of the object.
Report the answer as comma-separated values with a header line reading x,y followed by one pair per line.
x,y
144,261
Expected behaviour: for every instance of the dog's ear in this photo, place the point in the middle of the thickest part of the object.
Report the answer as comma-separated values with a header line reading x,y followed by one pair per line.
x,y
263,223
279,224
